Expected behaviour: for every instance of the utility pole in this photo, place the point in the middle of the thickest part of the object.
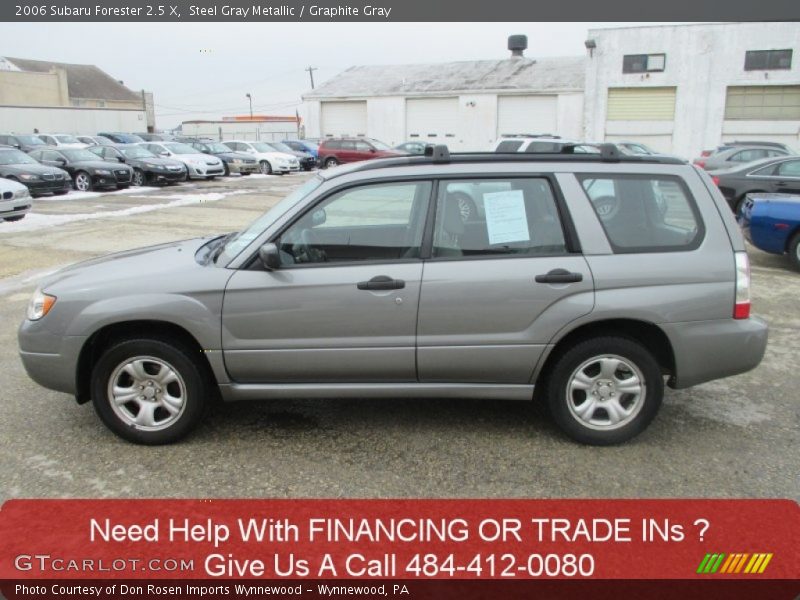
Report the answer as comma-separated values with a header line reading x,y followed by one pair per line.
x,y
311,70
250,98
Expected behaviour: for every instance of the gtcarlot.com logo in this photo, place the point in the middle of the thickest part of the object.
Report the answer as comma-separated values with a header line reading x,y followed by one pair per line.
x,y
735,563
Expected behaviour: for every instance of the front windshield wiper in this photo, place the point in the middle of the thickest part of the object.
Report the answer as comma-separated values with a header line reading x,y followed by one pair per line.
x,y
221,246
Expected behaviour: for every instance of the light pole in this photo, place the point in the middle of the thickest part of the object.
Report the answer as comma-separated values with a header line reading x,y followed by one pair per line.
x,y
250,98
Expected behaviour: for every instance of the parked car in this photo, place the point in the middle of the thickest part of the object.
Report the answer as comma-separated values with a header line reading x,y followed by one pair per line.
x,y
233,162
198,165
121,138
738,155
15,200
38,178
412,147
26,143
61,140
269,161
339,151
728,145
589,312
542,144
148,169
87,171
94,140
780,175
156,137
771,222
636,148
309,146
306,159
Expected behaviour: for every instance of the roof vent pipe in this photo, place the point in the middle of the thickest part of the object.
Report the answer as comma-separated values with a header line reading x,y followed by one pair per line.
x,y
517,44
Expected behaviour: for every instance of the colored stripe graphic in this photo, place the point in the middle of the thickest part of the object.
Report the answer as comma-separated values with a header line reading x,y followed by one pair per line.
x,y
735,563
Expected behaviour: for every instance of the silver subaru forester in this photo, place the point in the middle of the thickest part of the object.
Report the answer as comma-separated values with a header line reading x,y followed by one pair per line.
x,y
583,281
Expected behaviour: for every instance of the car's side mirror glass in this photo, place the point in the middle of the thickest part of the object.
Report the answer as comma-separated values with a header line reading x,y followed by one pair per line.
x,y
270,256
318,217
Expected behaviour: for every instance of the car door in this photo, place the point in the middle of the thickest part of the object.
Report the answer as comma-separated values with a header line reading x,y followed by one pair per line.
x,y
52,159
787,177
347,151
364,151
343,305
498,282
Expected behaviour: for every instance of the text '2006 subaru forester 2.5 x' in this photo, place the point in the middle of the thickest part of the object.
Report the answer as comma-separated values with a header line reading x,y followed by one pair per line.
x,y
584,281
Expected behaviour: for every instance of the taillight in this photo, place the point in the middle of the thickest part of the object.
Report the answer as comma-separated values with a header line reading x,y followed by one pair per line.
x,y
741,309
705,153
715,179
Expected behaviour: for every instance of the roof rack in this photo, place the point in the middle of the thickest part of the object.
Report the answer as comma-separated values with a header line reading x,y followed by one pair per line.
x,y
440,154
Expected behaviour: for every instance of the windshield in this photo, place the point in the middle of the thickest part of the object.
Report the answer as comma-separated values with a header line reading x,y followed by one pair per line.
x,y
137,152
281,147
15,157
217,147
31,140
380,145
129,138
241,240
76,155
181,149
262,147
67,139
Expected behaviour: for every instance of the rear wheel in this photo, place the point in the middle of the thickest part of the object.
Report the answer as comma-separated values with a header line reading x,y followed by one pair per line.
x,y
149,391
60,192
83,181
227,169
266,168
330,162
605,390
794,251
466,207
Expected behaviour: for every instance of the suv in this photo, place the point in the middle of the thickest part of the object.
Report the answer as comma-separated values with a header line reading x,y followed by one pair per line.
x,y
367,281
338,151
544,143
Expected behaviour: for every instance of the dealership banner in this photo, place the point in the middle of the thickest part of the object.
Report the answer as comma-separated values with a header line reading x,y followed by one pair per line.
x,y
401,548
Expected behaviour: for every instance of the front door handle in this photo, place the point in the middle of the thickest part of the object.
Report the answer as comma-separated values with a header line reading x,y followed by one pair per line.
x,y
382,282
559,276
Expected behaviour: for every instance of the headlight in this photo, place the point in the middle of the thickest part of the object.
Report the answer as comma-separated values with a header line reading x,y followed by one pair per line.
x,y
28,177
152,166
102,171
40,305
22,194
237,161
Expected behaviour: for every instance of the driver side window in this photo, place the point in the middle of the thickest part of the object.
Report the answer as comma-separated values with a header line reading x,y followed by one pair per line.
x,y
366,223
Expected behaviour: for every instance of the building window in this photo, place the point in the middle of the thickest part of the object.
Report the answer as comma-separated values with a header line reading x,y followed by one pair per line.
x,y
643,63
761,60
101,104
763,102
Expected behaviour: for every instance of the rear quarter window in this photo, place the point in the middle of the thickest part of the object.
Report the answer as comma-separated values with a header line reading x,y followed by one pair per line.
x,y
645,213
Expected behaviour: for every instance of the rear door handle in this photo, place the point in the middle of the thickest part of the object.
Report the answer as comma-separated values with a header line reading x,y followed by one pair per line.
x,y
381,282
559,276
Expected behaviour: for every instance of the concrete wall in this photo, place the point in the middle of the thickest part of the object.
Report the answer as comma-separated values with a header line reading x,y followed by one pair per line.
x,y
57,119
33,89
701,61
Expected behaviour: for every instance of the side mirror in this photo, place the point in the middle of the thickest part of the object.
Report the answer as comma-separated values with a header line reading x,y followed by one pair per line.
x,y
373,150
61,161
270,256
17,146
121,159
318,217
163,153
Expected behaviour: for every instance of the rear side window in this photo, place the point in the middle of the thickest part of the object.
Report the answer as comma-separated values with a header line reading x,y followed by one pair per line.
x,y
748,155
790,168
497,217
509,146
645,213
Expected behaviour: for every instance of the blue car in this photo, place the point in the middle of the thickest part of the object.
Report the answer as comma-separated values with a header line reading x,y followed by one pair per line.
x,y
304,146
771,222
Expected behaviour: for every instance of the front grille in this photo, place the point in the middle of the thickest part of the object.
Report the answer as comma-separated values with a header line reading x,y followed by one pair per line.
x,y
212,164
8,195
49,176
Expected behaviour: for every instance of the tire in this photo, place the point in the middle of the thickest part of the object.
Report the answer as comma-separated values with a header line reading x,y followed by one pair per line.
x,y
466,206
211,178
139,178
83,181
578,384
794,251
331,162
136,364
60,192
266,167
227,172
124,186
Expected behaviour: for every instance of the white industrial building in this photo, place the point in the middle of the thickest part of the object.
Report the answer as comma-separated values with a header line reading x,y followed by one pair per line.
x,y
684,88
465,105
680,89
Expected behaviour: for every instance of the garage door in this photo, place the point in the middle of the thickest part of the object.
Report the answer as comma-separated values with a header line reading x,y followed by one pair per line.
x,y
526,114
432,119
344,118
641,104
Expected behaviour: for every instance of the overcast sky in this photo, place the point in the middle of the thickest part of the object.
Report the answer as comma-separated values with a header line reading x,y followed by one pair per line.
x,y
203,71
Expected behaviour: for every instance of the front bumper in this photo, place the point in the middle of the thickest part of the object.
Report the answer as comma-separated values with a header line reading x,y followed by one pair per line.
x,y
166,176
243,167
707,350
202,171
309,163
14,207
48,186
50,360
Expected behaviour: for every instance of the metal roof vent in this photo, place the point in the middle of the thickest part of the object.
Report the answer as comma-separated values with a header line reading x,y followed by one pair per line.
x,y
517,44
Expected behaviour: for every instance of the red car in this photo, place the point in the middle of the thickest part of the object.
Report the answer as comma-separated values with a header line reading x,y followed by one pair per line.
x,y
337,151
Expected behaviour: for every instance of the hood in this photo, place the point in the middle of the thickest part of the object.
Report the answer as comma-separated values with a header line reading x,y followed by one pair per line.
x,y
6,185
37,169
156,160
198,156
138,269
233,155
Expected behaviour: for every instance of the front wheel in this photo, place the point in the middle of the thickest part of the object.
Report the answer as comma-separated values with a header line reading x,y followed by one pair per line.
x,y
139,178
605,390
149,391
266,168
83,181
794,251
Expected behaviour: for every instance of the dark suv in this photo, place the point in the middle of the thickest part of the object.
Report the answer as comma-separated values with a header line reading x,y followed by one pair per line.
x,y
337,151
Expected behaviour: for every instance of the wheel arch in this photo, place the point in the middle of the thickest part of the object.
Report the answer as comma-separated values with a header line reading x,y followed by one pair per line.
x,y
107,335
646,333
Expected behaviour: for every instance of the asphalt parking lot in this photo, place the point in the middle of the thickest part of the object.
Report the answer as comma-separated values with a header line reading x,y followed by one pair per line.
x,y
737,437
